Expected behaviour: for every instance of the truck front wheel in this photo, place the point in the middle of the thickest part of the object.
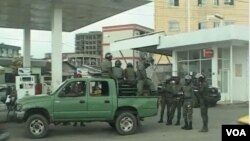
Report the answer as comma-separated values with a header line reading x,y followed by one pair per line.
x,y
37,126
126,123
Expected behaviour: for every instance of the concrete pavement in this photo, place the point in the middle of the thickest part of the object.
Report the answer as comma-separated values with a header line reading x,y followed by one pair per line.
x,y
150,129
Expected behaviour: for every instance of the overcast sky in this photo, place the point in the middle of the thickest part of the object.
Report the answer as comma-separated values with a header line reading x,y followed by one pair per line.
x,y
143,15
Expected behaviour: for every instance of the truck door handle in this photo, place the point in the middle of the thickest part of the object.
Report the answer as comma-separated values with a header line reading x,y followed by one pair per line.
x,y
82,101
106,101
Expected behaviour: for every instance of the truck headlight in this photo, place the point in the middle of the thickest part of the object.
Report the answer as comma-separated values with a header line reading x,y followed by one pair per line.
x,y
19,107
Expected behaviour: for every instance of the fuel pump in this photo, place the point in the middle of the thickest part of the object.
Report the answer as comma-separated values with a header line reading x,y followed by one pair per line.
x,y
46,82
25,86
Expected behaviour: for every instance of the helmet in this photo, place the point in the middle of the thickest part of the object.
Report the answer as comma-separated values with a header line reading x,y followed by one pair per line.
x,y
188,77
108,56
199,75
118,63
129,65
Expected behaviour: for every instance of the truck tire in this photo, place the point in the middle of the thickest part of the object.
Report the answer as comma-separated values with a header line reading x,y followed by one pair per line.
x,y
37,126
126,123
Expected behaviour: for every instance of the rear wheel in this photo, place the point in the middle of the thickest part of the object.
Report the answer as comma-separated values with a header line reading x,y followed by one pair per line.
x,y
126,123
37,126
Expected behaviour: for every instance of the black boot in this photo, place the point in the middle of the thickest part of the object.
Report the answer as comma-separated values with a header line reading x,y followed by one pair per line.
x,y
178,122
204,128
190,127
160,121
185,127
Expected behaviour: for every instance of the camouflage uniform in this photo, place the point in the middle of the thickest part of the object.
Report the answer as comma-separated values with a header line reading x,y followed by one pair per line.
x,y
130,74
176,103
118,73
166,100
203,92
188,103
106,66
142,78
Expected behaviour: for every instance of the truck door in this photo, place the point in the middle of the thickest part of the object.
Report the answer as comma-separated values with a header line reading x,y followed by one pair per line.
x,y
71,101
100,102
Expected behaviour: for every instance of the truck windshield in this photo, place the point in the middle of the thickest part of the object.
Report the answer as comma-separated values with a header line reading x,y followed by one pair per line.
x,y
57,88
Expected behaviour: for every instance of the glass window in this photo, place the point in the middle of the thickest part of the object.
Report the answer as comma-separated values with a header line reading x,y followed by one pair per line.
x,y
182,55
224,53
173,26
201,25
216,24
194,66
74,89
216,2
182,68
194,54
99,88
174,2
229,2
206,69
201,2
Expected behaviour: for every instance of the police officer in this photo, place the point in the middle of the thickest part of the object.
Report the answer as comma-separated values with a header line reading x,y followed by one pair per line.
x,y
176,91
142,77
117,71
106,66
188,103
129,73
165,99
202,86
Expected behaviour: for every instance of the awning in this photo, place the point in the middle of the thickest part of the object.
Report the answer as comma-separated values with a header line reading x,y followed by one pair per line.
x,y
37,14
160,44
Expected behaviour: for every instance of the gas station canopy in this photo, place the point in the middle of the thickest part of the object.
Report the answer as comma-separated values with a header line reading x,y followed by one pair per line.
x,y
37,14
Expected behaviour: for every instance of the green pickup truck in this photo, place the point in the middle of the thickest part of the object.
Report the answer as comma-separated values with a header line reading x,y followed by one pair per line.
x,y
85,100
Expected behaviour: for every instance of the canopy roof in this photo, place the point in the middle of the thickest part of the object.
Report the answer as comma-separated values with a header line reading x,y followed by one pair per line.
x,y
37,14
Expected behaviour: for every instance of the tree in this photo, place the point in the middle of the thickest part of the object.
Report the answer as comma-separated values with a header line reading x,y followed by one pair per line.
x,y
17,62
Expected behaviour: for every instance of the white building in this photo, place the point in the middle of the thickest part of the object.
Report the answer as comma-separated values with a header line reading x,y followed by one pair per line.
x,y
221,53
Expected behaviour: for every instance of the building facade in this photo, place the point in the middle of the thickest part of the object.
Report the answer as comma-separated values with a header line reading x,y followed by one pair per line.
x,y
177,16
88,48
120,32
9,50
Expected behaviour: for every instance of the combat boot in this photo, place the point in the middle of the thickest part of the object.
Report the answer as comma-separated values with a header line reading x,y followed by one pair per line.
x,y
160,121
204,129
190,127
185,127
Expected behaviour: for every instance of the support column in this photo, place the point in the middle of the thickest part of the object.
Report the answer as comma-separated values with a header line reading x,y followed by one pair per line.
x,y
56,64
26,48
215,68
230,88
174,65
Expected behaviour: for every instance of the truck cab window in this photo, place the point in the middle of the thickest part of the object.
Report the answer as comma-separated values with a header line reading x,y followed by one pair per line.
x,y
74,89
99,88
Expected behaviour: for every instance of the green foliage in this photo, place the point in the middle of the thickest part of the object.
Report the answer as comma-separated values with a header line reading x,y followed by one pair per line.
x,y
17,62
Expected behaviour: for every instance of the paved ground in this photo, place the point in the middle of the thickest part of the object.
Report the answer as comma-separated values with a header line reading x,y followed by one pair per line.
x,y
150,130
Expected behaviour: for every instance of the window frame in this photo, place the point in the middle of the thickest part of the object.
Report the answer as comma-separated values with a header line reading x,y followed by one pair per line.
x,y
102,87
174,3
172,26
